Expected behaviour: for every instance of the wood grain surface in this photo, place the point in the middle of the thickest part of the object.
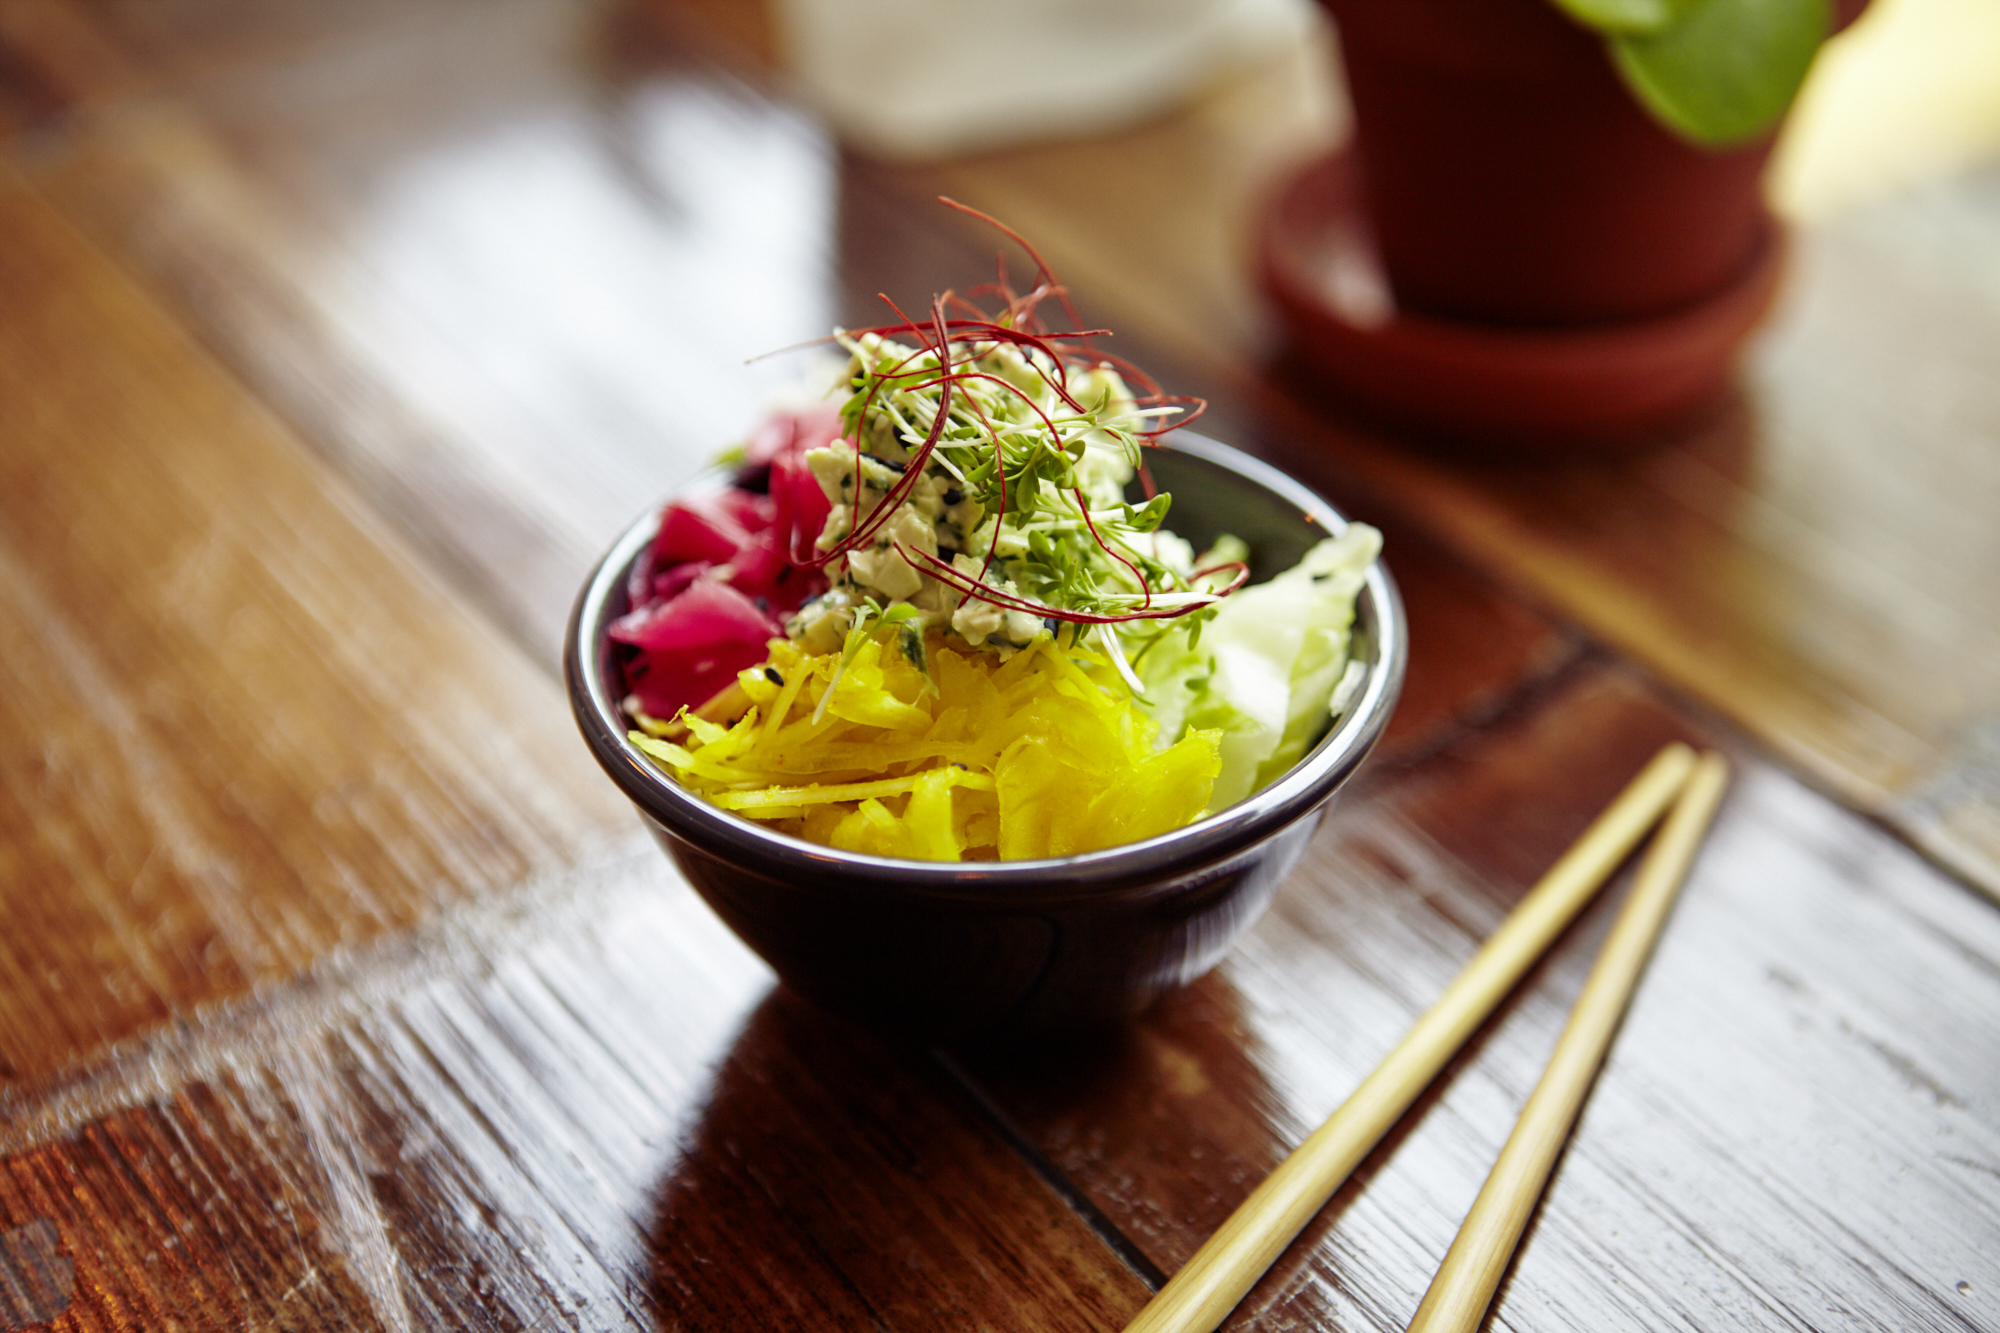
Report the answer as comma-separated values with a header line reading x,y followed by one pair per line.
x,y
1717,1179
339,990
579,1103
256,736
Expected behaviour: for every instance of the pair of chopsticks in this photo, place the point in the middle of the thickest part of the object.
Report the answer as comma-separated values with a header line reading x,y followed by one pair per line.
x,y
1208,1287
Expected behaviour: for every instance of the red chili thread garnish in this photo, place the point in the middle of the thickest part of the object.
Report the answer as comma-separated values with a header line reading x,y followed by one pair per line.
x,y
1000,481
946,573
1083,508
1042,269
1051,356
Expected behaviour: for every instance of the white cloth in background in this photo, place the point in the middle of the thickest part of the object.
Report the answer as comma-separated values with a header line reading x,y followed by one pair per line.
x,y
915,79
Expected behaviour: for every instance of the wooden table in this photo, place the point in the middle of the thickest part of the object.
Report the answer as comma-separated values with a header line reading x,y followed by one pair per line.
x,y
339,989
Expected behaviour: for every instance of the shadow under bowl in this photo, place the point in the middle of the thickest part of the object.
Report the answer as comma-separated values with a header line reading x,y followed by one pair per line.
x,y
941,950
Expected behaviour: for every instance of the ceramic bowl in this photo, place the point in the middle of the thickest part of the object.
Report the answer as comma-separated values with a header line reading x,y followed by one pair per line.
x,y
939,951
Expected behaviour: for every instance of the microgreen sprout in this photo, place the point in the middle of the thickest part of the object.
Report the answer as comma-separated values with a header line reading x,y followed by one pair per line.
x,y
1020,419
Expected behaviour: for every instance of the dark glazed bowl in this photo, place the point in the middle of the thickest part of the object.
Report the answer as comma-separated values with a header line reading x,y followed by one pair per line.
x,y
937,950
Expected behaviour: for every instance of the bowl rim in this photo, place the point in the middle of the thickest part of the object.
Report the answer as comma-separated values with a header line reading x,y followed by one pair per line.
x,y
1379,620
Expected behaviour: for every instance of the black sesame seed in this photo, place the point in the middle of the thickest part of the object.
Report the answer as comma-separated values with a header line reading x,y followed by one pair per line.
x,y
771,674
953,496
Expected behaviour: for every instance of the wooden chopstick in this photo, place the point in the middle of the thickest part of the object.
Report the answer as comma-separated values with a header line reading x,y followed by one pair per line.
x,y
1210,1284
1464,1285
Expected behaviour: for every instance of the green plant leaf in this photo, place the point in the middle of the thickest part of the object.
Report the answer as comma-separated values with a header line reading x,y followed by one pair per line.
x,y
1726,70
1610,16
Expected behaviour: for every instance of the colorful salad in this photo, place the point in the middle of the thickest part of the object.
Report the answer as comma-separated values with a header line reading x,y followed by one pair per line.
x,y
926,621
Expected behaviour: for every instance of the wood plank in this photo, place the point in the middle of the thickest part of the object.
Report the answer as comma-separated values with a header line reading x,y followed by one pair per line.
x,y
54,59
249,730
580,1104
499,382
1789,1122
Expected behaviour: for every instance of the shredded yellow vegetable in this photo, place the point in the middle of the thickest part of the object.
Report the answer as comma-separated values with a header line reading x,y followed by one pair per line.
x,y
1045,754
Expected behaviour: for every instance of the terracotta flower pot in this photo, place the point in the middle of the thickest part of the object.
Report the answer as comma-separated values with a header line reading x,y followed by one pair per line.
x,y
1511,252
1512,179
1494,389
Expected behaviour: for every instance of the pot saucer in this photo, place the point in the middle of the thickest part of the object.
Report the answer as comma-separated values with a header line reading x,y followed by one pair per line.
x,y
1485,387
